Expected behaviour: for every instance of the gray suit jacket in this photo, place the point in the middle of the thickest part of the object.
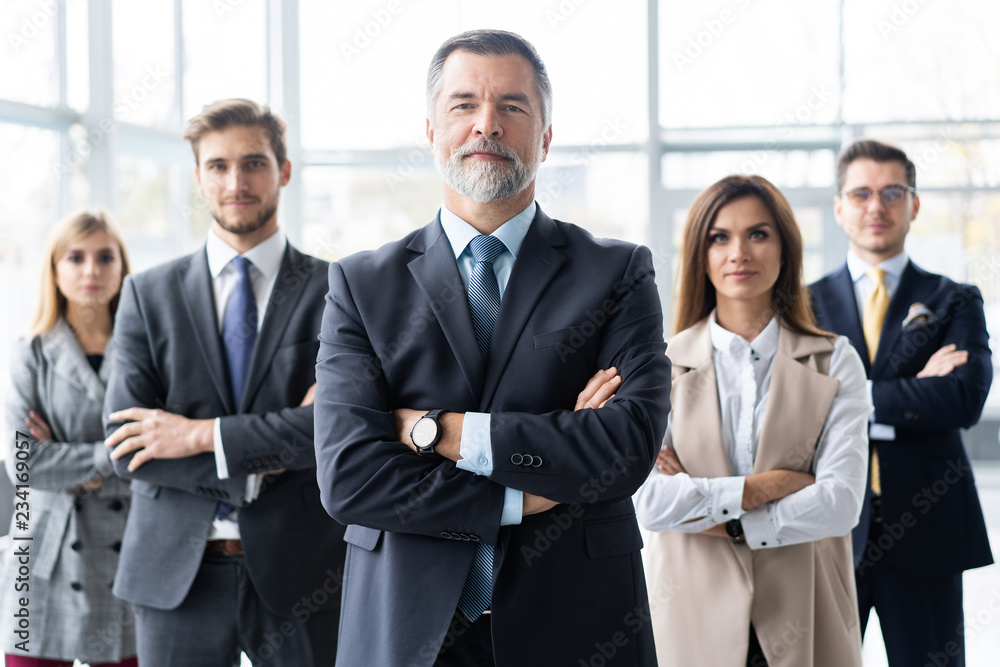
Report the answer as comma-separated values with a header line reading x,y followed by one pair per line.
x,y
73,560
170,356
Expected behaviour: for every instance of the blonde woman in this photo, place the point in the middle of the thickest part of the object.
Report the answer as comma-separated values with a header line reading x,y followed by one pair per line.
x,y
761,476
77,506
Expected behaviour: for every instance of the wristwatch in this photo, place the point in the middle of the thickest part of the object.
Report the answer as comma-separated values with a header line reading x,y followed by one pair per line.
x,y
734,529
426,432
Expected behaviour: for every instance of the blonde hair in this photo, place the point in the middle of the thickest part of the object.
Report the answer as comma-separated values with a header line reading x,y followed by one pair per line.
x,y
51,302
695,294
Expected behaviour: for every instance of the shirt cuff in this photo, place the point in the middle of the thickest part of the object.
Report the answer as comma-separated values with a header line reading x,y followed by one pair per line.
x,y
759,528
727,499
221,468
476,445
252,487
513,507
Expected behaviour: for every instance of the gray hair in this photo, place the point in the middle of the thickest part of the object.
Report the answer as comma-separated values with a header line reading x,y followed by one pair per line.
x,y
490,43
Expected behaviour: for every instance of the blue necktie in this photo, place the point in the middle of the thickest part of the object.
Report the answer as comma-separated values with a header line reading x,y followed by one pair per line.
x,y
239,334
484,303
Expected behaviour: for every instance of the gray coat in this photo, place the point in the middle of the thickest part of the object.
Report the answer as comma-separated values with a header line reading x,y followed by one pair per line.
x,y
76,533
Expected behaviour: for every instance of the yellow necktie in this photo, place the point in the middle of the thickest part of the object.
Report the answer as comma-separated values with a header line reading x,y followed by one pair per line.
x,y
874,316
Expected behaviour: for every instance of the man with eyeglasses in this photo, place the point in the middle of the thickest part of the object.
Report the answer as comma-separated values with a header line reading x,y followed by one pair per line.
x,y
925,346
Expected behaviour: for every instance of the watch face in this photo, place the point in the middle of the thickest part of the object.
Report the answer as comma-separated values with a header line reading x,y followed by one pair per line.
x,y
424,432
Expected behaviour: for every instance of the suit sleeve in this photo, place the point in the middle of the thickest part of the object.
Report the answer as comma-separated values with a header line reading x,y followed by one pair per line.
x,y
952,401
366,476
260,443
135,382
597,455
53,465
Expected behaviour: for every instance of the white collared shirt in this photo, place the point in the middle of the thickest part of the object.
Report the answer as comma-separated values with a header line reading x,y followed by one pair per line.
x,y
265,260
476,444
743,374
863,288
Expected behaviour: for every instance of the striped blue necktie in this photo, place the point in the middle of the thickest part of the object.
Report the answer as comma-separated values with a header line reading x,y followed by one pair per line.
x,y
239,335
484,303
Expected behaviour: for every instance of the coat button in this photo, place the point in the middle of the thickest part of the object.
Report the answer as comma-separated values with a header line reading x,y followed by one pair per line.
x,y
76,586
516,458
117,546
537,463
445,534
116,505
76,546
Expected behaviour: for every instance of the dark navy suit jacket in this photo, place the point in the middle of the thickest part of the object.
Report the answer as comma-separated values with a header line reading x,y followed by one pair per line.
x,y
567,582
933,522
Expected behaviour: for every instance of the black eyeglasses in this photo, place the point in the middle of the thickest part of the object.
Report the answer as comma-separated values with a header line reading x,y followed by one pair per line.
x,y
890,195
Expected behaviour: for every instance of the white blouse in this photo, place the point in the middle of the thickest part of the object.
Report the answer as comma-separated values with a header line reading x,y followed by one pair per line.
x,y
828,508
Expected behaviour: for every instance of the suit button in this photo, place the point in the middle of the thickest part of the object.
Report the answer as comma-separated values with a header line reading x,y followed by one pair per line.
x,y
465,538
474,538
116,506
537,463
528,461
256,463
78,505
117,546
445,534
456,536
516,458
76,546
76,586
247,465
910,415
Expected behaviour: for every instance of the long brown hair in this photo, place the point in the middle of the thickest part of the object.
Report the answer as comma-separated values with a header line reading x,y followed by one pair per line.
x,y
51,302
694,293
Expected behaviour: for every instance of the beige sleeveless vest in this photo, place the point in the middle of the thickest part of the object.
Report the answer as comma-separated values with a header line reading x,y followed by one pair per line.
x,y
705,591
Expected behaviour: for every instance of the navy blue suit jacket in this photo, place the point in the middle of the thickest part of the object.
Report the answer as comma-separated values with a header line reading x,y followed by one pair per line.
x,y
933,522
397,322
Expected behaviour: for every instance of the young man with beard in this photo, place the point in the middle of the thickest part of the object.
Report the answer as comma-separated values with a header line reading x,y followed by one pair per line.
x,y
490,522
209,409
924,343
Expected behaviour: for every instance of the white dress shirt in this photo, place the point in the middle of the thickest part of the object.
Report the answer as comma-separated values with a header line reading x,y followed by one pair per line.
x,y
863,288
476,444
265,260
824,509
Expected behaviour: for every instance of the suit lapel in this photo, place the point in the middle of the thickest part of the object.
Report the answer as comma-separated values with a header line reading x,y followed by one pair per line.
x,y
69,362
195,286
281,305
694,404
892,327
844,312
536,265
795,389
436,274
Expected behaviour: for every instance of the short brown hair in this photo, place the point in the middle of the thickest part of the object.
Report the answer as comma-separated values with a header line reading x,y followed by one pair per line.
x,y
878,152
695,294
228,113
80,225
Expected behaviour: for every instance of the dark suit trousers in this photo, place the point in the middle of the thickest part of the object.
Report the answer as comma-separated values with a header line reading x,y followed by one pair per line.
x,y
222,616
467,644
921,617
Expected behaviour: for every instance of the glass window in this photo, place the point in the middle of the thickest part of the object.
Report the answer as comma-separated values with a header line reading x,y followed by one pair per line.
x,y
736,62
920,60
25,221
144,208
77,55
145,83
364,68
225,52
30,71
785,169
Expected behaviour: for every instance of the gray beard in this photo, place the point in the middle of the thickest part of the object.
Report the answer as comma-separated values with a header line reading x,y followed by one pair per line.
x,y
487,181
